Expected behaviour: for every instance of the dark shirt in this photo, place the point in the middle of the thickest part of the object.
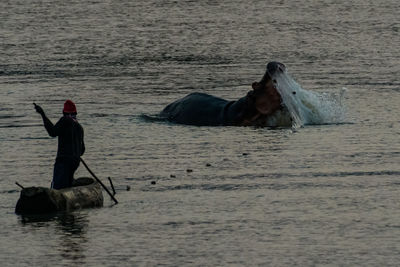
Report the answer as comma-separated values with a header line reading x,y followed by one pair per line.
x,y
70,136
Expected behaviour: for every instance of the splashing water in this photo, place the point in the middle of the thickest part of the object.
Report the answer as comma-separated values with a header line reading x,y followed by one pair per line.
x,y
305,107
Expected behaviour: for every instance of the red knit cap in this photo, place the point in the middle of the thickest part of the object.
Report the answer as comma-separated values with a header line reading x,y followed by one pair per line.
x,y
69,107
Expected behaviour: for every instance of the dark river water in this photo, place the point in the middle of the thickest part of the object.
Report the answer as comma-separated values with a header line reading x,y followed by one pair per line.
x,y
322,193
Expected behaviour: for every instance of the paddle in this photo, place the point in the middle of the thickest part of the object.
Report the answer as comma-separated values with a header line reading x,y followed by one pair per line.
x,y
98,180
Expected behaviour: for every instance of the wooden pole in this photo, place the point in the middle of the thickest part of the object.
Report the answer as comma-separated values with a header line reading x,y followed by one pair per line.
x,y
98,180
19,185
112,186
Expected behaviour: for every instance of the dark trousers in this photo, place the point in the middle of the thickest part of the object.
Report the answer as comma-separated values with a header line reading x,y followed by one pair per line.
x,y
64,170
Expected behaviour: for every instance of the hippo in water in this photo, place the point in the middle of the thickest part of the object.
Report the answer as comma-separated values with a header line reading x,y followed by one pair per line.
x,y
251,110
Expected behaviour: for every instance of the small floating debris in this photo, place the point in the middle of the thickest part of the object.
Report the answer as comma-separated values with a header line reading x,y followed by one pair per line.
x,y
128,188
245,154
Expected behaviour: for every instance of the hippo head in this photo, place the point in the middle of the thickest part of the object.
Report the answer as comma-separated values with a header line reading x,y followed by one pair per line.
x,y
264,99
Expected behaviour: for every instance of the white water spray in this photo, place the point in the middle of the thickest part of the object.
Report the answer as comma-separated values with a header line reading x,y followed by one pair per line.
x,y
306,107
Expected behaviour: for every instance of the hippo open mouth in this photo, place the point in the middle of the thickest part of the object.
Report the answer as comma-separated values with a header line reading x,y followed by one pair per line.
x,y
265,99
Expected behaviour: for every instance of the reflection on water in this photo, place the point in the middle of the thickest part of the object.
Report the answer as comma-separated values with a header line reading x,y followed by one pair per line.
x,y
69,228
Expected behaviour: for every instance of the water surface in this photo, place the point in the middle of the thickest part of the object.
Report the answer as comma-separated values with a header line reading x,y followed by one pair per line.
x,y
321,194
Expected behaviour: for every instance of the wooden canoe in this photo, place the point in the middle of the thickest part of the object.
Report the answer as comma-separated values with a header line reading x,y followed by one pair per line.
x,y
85,193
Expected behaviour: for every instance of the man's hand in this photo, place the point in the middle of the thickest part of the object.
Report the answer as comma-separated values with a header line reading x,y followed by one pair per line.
x,y
38,109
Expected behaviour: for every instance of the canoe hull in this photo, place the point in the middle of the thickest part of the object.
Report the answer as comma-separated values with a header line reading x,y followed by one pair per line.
x,y
39,200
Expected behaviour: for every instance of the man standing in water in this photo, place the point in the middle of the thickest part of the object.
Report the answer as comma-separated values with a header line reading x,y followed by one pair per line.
x,y
70,144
